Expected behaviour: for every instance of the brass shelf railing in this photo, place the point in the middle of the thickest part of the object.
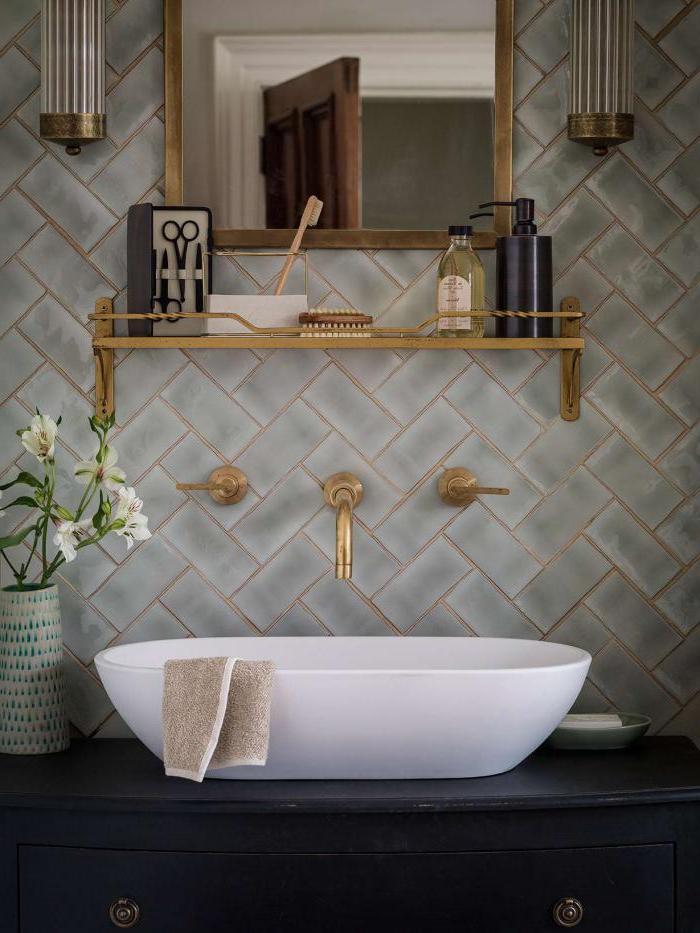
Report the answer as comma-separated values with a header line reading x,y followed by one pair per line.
x,y
569,342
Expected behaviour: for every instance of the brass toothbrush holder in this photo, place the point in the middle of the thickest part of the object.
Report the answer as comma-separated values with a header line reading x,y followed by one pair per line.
x,y
458,487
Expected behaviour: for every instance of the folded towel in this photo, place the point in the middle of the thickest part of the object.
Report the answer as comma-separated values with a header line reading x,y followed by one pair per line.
x,y
216,713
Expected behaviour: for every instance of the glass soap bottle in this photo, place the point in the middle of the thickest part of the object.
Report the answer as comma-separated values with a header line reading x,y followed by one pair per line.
x,y
460,286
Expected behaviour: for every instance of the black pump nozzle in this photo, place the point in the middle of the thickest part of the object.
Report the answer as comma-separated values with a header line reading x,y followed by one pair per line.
x,y
524,214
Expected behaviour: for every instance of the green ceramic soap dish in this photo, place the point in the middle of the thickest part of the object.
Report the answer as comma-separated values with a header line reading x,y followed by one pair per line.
x,y
595,733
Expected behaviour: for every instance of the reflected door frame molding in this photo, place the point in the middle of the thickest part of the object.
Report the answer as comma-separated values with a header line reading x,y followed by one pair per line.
x,y
334,239
392,65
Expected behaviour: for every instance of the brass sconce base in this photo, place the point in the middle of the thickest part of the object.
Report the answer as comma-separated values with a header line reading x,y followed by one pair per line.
x,y
458,487
601,130
226,485
73,130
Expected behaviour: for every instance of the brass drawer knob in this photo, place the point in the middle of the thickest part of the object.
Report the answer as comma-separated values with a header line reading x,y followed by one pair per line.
x,y
568,912
124,913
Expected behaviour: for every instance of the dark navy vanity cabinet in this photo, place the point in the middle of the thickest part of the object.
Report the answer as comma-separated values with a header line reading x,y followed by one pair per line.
x,y
96,839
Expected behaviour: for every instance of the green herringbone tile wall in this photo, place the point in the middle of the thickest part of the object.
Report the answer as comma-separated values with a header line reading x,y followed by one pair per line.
x,y
598,542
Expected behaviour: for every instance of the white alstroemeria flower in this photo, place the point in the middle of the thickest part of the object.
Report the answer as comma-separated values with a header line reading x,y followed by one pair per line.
x,y
129,511
107,475
39,438
67,536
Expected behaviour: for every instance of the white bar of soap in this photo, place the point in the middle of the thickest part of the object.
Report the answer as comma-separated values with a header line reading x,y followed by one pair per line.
x,y
591,721
261,310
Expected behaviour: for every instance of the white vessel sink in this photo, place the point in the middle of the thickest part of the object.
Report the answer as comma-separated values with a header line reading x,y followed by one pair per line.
x,y
375,707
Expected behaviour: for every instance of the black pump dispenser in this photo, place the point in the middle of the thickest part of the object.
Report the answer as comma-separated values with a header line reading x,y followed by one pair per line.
x,y
523,273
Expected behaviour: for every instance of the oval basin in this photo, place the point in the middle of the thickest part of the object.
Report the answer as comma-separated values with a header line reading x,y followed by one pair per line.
x,y
383,707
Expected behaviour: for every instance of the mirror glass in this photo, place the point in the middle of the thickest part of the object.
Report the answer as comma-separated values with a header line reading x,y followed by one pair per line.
x,y
381,108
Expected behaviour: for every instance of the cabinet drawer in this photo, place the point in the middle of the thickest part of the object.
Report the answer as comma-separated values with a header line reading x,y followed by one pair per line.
x,y
623,889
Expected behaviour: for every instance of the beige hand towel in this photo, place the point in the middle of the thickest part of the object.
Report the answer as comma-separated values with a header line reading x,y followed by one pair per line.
x,y
216,713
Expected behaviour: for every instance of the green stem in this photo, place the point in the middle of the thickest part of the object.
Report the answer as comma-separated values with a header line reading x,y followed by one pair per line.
x,y
44,535
9,563
49,568
86,499
92,486
48,502
60,559
24,569
52,568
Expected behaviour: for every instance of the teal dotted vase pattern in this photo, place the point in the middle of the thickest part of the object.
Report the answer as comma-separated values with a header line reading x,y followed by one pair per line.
x,y
32,710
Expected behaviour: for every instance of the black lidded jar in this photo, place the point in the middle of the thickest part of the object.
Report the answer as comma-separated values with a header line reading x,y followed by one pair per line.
x,y
523,274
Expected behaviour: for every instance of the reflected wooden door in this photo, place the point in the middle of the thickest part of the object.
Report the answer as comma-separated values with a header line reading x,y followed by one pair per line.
x,y
312,146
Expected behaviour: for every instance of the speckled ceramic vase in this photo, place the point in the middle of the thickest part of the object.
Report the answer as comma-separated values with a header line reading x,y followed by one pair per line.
x,y
32,712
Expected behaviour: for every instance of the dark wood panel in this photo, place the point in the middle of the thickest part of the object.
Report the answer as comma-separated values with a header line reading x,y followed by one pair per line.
x,y
622,889
312,145
101,821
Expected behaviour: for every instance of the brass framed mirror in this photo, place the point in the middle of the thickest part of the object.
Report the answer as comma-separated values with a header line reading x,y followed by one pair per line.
x,y
228,62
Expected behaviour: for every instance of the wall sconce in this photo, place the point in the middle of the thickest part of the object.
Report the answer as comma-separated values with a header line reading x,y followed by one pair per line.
x,y
73,72
601,103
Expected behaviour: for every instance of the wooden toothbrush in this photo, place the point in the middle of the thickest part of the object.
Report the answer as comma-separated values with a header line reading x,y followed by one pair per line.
x,y
309,218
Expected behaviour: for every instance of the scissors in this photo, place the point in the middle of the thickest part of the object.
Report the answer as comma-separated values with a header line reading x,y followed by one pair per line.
x,y
187,232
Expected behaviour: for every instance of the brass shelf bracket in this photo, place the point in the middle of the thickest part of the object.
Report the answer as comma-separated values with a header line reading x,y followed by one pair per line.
x,y
569,343
570,396
104,360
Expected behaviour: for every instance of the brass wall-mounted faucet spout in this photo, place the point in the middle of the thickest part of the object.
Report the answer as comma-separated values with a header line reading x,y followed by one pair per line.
x,y
343,491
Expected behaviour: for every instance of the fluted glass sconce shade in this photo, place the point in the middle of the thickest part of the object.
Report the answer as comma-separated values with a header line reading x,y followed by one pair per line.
x,y
73,72
601,108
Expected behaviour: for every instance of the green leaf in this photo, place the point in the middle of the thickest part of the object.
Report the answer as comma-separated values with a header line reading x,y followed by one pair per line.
x,y
23,477
63,513
17,538
21,500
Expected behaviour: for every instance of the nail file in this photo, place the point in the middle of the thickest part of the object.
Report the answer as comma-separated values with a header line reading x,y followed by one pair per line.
x,y
198,280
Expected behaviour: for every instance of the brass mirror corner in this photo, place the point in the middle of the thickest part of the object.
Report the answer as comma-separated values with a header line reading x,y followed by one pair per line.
x,y
367,238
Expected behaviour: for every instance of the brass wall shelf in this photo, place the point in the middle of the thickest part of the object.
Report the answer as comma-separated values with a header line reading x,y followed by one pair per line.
x,y
569,343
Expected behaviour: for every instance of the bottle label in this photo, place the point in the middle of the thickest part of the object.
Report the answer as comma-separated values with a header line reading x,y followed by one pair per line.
x,y
454,294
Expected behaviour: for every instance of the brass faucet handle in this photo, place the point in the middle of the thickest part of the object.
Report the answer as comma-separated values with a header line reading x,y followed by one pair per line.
x,y
226,485
458,487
